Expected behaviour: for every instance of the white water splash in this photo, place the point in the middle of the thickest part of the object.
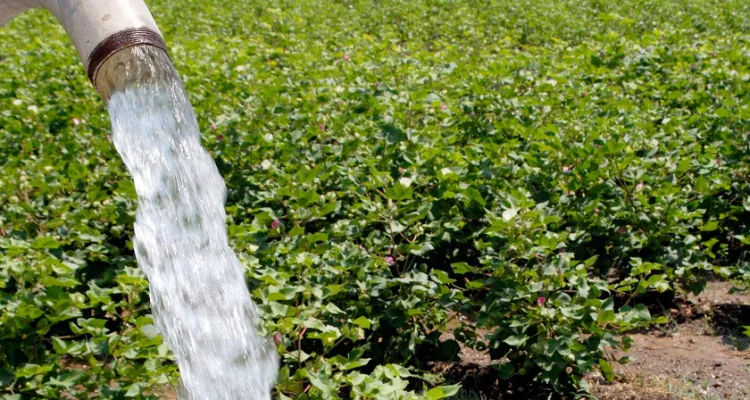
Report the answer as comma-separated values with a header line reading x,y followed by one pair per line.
x,y
200,300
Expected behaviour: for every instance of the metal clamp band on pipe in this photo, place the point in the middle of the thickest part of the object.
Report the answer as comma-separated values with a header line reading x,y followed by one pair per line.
x,y
118,41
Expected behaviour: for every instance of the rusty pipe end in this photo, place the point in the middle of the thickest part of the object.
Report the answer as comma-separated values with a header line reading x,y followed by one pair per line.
x,y
118,41
124,56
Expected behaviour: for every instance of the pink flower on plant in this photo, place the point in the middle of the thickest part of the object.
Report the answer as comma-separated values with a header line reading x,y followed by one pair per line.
x,y
219,138
390,260
540,301
621,230
277,338
639,186
275,224
443,106
566,169
322,127
346,57
213,127
76,121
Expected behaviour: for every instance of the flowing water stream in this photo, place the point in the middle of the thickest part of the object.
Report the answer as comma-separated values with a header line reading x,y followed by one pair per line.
x,y
199,296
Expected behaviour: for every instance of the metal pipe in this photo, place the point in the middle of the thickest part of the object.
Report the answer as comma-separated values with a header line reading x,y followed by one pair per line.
x,y
98,28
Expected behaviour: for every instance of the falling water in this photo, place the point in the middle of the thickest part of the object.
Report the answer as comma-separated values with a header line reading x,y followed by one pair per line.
x,y
199,297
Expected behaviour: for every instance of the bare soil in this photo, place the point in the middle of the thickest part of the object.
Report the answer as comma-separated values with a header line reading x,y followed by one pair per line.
x,y
705,357
692,360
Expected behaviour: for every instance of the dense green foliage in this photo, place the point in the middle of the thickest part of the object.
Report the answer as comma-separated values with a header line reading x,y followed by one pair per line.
x,y
535,165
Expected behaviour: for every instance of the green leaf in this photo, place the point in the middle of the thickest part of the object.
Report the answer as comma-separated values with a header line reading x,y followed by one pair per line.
x,y
505,370
442,392
357,363
134,390
329,208
605,316
423,249
45,242
363,322
473,194
150,331
442,277
333,309
590,261
393,133
683,166
710,226
296,231
6,377
306,175
516,340
322,382
31,370
607,370
461,268
276,296
316,237
510,213
659,283
396,227
399,192
642,312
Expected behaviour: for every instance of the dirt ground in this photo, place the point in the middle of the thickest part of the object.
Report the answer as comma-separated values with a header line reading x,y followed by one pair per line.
x,y
706,357
691,361
721,293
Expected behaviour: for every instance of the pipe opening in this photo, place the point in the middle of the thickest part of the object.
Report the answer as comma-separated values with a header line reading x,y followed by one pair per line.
x,y
134,66
119,41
